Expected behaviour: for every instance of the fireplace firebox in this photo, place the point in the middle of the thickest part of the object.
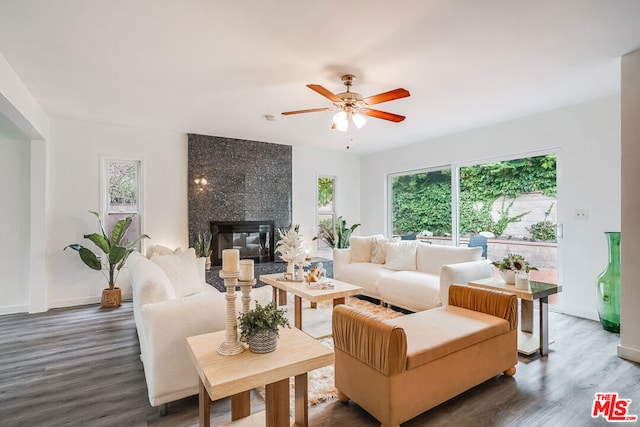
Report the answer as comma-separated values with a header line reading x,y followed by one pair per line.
x,y
254,240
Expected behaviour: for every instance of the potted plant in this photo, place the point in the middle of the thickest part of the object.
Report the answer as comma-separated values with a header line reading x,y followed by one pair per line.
x,y
202,245
116,253
338,236
259,327
511,265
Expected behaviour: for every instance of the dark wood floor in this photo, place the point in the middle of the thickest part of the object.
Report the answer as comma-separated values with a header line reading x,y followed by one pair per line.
x,y
80,367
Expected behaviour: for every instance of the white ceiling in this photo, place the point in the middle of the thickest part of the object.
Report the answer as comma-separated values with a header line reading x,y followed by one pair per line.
x,y
218,67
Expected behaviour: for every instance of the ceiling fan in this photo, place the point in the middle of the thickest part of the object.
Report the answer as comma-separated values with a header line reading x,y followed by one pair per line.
x,y
353,105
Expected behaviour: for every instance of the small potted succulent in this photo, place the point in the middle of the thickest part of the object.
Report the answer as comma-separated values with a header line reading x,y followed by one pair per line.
x,y
202,246
259,327
511,265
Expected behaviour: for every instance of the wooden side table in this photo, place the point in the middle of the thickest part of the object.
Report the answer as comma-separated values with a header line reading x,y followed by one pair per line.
x,y
528,343
300,290
224,376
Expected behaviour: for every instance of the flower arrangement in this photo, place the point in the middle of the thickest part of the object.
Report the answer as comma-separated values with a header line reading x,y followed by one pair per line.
x,y
291,246
515,263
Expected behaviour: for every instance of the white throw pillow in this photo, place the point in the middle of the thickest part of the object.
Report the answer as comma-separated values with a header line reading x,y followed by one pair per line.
x,y
378,249
182,270
160,250
401,255
149,283
361,247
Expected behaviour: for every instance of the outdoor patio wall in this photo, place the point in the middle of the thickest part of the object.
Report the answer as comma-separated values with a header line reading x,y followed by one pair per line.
x,y
587,140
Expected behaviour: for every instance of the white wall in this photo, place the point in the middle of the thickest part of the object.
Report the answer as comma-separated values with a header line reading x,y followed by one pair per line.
x,y
75,148
14,217
308,164
587,139
630,251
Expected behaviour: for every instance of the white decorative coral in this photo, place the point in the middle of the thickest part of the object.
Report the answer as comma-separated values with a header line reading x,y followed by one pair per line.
x,y
290,246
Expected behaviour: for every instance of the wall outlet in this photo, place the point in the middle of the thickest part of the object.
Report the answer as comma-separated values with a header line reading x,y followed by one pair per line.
x,y
582,214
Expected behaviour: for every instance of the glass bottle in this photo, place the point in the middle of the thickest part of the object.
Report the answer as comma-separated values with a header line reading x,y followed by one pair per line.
x,y
608,286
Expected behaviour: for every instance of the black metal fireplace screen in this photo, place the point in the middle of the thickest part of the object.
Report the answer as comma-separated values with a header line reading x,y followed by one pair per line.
x,y
254,240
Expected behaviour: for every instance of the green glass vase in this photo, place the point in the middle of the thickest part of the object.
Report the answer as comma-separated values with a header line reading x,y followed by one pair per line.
x,y
608,286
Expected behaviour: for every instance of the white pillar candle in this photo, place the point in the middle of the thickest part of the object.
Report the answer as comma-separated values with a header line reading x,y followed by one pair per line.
x,y
246,269
231,260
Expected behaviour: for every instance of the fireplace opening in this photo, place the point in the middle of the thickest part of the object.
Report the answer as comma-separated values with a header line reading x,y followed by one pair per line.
x,y
254,240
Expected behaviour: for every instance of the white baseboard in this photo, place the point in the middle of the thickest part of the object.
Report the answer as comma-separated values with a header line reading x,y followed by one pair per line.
x,y
70,302
628,353
579,312
12,309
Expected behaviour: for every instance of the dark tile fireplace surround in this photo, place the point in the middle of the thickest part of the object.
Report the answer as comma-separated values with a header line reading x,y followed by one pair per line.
x,y
248,183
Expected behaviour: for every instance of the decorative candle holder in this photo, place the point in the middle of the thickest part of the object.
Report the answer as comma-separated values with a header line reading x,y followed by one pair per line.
x,y
246,286
231,345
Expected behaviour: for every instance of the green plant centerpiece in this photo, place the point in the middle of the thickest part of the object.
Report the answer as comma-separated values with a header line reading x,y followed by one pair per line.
x,y
115,252
202,246
259,327
511,265
338,236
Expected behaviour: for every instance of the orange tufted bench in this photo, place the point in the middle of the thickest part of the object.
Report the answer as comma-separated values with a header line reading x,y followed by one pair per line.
x,y
396,369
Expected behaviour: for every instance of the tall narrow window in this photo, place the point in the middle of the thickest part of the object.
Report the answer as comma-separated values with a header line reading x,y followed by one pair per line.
x,y
326,203
123,195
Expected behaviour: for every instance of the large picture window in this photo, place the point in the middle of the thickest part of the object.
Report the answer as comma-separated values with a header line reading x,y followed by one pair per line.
x,y
122,194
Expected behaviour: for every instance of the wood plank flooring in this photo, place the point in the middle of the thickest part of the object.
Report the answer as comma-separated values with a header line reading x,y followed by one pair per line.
x,y
80,366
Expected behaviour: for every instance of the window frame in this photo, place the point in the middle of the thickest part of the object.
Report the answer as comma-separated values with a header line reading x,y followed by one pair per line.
x,y
333,214
105,161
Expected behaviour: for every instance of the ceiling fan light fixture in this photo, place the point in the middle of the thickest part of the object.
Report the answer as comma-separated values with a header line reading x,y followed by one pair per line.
x,y
359,120
340,117
343,126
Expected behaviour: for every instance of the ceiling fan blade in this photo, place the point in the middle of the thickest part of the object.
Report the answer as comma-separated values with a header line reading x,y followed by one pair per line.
x,y
382,115
387,96
325,92
312,110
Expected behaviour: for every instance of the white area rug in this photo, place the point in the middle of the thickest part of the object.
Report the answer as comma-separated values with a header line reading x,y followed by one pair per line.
x,y
318,322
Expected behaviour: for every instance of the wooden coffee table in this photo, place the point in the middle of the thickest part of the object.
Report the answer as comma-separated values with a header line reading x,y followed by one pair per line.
x,y
528,343
300,290
224,376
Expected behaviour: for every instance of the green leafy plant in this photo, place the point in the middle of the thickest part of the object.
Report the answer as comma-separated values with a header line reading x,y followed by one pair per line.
x,y
338,236
202,245
262,319
505,218
515,263
544,230
115,251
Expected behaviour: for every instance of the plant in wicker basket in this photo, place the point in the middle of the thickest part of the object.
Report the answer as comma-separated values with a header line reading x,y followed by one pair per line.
x,y
115,250
259,327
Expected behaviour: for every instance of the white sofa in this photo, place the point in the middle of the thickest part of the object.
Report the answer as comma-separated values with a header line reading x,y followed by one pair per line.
x,y
172,301
409,274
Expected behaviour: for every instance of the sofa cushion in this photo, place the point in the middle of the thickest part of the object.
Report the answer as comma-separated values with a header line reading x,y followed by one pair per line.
x,y
361,247
412,290
449,329
430,258
149,283
182,270
401,255
365,274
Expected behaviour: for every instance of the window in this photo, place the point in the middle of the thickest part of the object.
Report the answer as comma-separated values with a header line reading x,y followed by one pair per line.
x,y
326,203
122,195
421,205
